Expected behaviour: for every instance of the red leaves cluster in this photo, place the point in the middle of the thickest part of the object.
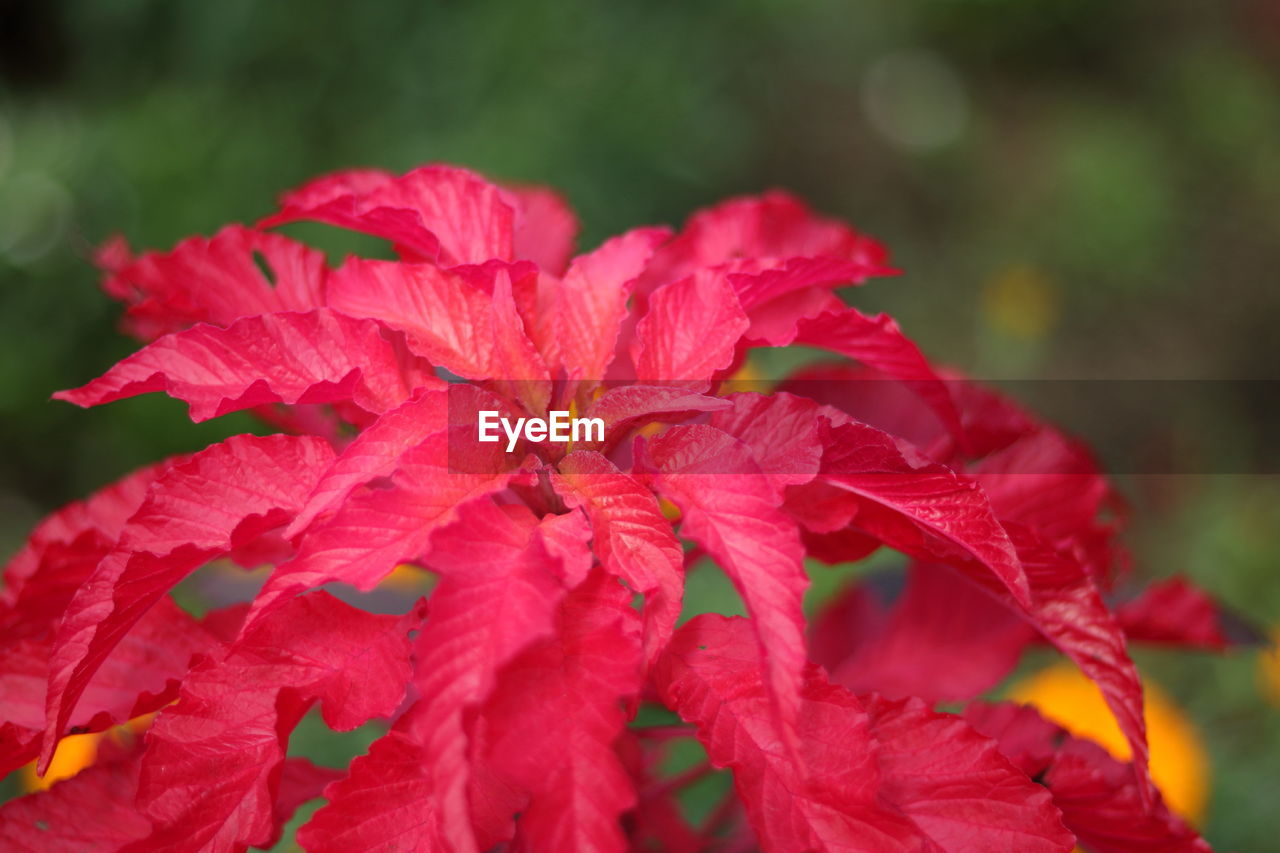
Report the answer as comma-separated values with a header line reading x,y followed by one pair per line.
x,y
509,693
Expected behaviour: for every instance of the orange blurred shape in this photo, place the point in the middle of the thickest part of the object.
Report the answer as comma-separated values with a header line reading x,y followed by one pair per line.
x,y
1179,763
76,752
405,576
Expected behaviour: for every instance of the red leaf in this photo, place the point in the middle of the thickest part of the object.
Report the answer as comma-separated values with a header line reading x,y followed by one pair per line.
x,y
517,367
782,431
545,227
690,330
378,528
730,510
384,804
1068,609
431,213
1174,612
878,343
1026,738
876,400
137,676
1102,802
91,811
955,785
915,506
1052,484
212,768
376,452
202,508
317,357
1102,799
945,640
463,319
64,548
775,225
446,317
773,323
778,294
892,776
760,281
991,421
1064,604
502,582
591,302
214,280
551,724
300,783
632,538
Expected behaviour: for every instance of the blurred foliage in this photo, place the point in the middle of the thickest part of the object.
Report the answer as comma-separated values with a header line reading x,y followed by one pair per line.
x,y
1082,188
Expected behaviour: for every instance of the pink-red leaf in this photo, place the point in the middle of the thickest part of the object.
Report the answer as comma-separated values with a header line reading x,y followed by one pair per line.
x,y
92,811
379,527
955,785
64,548
545,227
384,804
631,537
1174,612
317,357
879,343
434,213
502,579
782,430
885,776
591,302
219,499
916,506
463,319
729,508
773,225
211,772
1068,609
551,725
214,280
137,676
944,640
1102,800
376,452
759,281
690,331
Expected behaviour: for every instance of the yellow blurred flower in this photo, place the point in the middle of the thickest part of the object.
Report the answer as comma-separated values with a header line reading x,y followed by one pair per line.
x,y
748,377
1179,763
669,510
1021,301
1269,669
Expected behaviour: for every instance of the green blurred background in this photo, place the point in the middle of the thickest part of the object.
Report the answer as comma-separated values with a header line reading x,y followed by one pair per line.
x,y
1074,188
